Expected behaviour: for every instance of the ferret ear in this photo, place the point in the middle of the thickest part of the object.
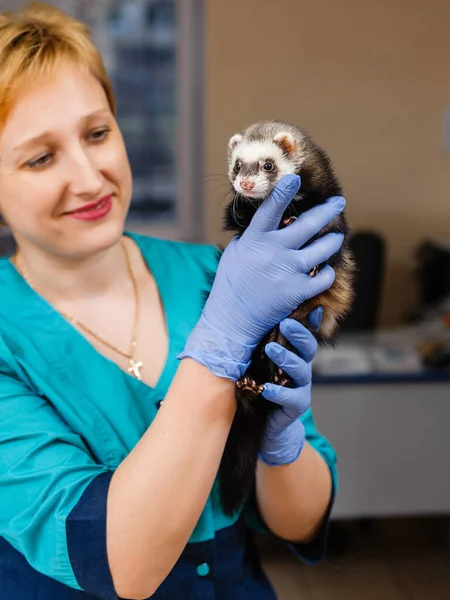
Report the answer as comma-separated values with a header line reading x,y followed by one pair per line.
x,y
234,141
286,141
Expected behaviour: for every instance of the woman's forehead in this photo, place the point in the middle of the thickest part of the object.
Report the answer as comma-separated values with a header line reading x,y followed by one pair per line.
x,y
56,101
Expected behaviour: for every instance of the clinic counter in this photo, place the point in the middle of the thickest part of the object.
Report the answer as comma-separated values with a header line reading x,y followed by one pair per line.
x,y
391,432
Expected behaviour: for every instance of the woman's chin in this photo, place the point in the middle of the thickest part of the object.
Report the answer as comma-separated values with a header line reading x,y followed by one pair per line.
x,y
91,240
105,236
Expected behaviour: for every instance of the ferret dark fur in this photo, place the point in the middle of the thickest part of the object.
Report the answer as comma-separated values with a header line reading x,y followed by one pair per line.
x,y
257,159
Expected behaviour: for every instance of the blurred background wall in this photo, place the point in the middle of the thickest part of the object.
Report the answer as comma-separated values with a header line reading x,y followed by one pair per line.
x,y
370,81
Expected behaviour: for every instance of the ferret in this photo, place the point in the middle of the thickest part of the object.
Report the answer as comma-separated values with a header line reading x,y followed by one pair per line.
x,y
257,159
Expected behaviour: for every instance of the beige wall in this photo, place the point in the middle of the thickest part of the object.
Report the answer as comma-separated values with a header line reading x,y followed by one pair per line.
x,y
369,80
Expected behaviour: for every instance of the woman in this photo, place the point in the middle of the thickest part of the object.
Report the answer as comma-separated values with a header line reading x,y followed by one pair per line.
x,y
107,491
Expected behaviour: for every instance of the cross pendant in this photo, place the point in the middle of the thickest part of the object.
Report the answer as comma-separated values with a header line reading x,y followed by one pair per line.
x,y
134,368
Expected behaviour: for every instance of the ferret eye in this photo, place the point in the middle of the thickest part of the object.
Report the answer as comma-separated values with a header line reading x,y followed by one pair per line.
x,y
237,166
268,166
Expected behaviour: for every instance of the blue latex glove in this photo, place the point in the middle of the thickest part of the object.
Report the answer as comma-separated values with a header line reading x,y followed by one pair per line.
x,y
285,434
261,278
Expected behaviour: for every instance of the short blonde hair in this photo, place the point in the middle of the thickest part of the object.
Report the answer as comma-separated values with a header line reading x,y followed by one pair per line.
x,y
33,43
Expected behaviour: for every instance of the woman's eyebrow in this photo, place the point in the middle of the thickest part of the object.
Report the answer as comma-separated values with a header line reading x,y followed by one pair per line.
x,y
42,137
32,140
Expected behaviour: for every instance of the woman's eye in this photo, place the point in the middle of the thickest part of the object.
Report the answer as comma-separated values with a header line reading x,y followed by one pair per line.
x,y
237,166
268,165
41,161
99,134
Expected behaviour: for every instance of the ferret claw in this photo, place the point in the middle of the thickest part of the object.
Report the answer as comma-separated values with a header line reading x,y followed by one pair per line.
x,y
250,385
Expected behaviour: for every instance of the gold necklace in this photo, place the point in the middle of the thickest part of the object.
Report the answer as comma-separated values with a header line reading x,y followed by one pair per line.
x,y
135,365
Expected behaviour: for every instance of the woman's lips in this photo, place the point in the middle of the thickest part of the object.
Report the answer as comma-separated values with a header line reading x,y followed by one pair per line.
x,y
93,211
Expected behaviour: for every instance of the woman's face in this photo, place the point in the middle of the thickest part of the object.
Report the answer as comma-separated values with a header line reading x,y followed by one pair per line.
x,y
65,179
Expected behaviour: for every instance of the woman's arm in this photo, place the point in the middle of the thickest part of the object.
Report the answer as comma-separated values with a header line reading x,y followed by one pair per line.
x,y
293,499
158,492
296,475
64,511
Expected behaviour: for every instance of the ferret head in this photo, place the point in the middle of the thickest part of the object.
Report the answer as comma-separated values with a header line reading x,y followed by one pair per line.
x,y
261,156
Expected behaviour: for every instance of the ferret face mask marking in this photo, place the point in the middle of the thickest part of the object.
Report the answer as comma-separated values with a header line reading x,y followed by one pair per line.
x,y
255,166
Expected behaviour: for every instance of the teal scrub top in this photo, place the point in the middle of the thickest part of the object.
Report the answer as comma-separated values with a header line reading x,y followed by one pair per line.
x,y
68,414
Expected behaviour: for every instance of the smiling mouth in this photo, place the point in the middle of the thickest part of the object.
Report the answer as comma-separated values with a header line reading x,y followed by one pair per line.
x,y
97,206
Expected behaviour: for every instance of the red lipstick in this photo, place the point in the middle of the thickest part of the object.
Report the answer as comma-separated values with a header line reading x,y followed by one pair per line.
x,y
94,210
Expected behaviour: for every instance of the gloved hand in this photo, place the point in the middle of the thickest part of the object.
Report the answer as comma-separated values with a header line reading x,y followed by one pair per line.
x,y
285,434
262,276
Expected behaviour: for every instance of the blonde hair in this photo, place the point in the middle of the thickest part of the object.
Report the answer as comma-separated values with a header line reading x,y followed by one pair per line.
x,y
33,43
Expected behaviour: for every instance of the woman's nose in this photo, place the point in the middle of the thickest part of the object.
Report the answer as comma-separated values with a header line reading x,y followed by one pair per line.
x,y
85,176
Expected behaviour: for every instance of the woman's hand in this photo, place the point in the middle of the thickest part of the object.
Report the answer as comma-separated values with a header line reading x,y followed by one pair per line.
x,y
285,433
261,278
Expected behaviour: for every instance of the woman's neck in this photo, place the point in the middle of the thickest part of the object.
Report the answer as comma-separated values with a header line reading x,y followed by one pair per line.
x,y
62,280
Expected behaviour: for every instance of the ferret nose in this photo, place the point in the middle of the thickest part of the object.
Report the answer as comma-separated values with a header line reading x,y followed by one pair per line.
x,y
247,185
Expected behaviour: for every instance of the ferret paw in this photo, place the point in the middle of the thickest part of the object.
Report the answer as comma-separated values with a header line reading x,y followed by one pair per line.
x,y
280,378
249,385
289,220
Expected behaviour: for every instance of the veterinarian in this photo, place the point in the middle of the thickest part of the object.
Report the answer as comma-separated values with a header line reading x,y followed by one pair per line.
x,y
116,379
